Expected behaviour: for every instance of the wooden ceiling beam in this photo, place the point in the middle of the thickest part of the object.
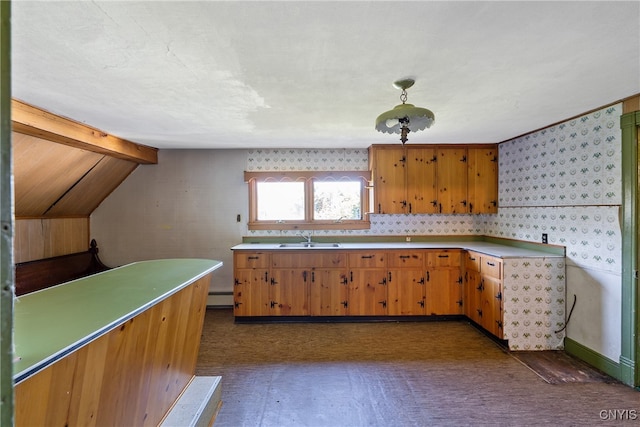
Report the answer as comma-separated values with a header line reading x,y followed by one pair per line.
x,y
34,121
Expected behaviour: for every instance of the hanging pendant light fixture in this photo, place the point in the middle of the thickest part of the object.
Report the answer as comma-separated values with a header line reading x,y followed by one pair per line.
x,y
404,118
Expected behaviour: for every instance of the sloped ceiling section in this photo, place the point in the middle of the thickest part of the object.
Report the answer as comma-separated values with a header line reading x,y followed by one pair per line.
x,y
63,168
53,180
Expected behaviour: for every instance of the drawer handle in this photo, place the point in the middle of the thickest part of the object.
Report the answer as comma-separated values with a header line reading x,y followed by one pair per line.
x,y
404,256
253,257
443,256
492,264
366,256
471,259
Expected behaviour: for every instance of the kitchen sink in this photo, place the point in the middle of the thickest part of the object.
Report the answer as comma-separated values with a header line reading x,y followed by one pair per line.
x,y
309,245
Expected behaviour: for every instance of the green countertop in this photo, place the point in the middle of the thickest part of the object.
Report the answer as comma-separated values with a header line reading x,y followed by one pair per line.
x,y
53,322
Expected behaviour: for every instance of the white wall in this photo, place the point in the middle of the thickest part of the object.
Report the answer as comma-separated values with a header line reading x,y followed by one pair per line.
x,y
183,207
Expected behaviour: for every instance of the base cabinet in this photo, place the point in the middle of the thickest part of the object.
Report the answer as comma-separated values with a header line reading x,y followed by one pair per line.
x,y
328,293
521,300
353,283
289,293
251,285
483,291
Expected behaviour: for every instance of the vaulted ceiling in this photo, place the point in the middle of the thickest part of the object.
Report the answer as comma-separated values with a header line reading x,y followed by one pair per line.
x,y
236,74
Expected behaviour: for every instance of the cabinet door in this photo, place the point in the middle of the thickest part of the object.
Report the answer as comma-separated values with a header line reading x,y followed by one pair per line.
x,y
452,180
422,194
389,179
251,292
405,292
482,180
443,293
367,292
289,292
473,296
492,306
328,292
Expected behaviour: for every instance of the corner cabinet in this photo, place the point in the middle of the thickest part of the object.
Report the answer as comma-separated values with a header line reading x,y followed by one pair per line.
x,y
445,179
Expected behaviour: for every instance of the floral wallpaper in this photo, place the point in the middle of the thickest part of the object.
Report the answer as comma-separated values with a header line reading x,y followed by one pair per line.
x,y
534,305
573,163
342,159
565,181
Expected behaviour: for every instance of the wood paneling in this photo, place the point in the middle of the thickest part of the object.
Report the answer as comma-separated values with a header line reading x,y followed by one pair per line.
x,y
94,187
30,120
54,180
44,172
45,238
129,376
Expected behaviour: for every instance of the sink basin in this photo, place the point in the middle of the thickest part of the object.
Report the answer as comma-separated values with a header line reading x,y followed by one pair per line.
x,y
309,245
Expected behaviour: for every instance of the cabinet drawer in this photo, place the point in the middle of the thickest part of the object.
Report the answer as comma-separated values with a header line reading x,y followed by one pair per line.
x,y
406,259
472,261
308,259
444,258
491,267
372,259
250,260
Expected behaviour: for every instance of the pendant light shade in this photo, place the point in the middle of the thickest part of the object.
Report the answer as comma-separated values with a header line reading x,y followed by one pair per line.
x,y
404,118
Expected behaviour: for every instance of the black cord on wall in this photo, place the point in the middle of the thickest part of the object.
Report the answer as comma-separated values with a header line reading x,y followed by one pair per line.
x,y
575,298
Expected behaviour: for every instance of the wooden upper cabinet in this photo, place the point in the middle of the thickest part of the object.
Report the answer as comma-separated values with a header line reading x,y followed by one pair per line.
x,y
389,169
422,194
482,179
452,180
448,179
404,179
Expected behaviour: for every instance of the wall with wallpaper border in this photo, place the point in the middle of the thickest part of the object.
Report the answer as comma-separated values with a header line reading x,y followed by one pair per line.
x,y
565,180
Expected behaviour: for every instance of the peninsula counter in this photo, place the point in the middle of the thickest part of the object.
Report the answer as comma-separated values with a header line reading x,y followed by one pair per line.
x,y
116,348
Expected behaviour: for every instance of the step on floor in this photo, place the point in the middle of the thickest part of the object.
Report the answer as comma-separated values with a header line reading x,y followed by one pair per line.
x,y
198,405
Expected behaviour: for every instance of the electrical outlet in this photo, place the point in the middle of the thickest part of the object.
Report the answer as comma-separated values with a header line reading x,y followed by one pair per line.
x,y
545,239
408,238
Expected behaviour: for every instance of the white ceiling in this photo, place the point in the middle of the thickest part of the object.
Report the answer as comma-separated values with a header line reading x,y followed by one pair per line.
x,y
281,74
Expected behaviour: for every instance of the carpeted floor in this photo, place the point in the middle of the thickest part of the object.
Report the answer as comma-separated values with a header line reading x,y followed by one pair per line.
x,y
390,374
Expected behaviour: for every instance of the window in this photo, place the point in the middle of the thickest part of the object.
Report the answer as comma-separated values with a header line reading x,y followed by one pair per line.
x,y
308,200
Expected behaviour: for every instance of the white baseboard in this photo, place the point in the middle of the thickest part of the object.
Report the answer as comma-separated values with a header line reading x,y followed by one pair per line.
x,y
220,299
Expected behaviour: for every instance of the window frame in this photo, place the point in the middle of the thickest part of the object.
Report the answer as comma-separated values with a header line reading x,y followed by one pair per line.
x,y
308,177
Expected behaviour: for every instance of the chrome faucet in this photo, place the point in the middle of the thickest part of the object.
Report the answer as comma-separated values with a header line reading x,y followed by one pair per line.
x,y
307,237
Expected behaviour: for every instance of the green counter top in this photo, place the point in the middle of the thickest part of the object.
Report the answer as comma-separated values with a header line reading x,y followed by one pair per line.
x,y
53,322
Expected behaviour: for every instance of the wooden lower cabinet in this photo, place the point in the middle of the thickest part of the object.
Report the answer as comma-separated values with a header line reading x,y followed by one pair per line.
x,y
444,285
289,293
251,292
406,292
251,284
367,292
483,291
443,291
328,292
348,283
